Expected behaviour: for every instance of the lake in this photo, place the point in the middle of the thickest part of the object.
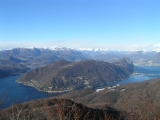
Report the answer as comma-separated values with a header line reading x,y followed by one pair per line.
x,y
18,93
142,73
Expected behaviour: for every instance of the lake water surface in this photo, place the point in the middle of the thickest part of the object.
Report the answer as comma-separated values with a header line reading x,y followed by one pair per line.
x,y
142,73
16,92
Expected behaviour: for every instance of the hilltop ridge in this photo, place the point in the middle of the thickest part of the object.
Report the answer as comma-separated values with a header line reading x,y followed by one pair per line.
x,y
63,76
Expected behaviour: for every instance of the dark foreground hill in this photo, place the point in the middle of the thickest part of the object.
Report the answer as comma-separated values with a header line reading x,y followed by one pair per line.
x,y
65,76
140,100
58,109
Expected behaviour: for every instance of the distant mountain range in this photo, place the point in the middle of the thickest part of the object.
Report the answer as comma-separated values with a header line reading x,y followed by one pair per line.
x,y
31,58
38,57
63,76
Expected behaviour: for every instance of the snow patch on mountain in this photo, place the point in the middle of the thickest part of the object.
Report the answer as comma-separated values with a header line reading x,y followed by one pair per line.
x,y
55,48
92,49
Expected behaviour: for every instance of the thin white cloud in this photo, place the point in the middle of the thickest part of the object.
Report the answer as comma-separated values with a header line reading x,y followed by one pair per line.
x,y
8,45
146,47
79,44
48,44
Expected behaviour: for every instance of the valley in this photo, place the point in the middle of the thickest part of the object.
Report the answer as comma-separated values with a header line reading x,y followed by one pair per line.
x,y
102,80
79,60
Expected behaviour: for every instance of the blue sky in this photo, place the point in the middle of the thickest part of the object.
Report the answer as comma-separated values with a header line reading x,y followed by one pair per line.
x,y
112,24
